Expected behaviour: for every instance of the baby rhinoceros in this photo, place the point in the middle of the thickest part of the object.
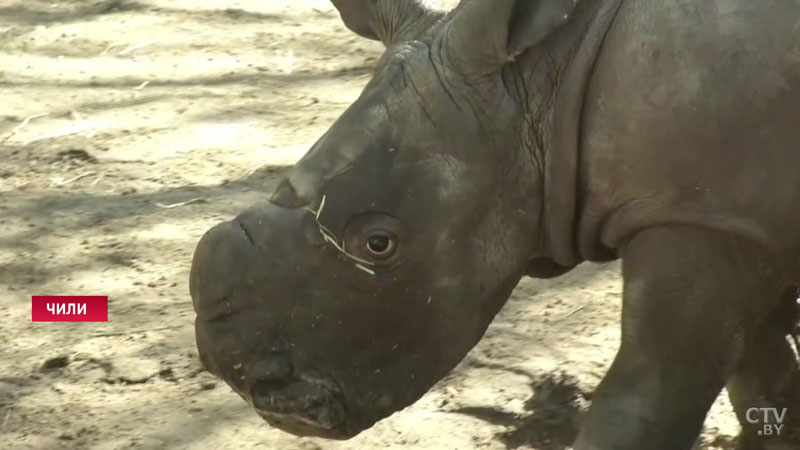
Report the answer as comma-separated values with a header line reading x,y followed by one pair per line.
x,y
524,137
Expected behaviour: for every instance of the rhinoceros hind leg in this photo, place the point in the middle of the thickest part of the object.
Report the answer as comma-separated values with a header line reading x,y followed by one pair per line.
x,y
769,377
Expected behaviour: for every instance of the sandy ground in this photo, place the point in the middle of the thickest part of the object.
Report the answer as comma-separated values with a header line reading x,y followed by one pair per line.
x,y
148,122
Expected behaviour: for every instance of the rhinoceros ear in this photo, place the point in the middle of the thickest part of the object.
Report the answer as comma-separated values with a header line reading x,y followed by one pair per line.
x,y
388,21
485,34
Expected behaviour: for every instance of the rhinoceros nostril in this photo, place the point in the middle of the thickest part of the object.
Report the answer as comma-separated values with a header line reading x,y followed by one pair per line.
x,y
274,367
303,401
246,234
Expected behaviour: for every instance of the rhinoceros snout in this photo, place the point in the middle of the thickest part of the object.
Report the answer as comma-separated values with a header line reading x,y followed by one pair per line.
x,y
233,256
220,260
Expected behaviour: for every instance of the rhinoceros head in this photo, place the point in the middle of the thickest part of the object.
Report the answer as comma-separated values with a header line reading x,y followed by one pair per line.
x,y
384,254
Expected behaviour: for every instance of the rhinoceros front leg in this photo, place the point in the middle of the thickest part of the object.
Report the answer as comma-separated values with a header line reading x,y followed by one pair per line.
x,y
692,300
768,376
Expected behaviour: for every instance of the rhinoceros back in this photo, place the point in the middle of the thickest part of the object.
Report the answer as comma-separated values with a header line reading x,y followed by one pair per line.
x,y
691,117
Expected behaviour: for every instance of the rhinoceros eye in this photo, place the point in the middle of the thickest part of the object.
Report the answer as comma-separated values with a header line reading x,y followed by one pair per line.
x,y
376,238
381,244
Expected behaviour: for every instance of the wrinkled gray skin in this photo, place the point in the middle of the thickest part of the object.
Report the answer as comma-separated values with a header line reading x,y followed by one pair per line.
x,y
503,140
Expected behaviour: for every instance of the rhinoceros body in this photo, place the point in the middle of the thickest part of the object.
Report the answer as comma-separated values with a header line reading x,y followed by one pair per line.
x,y
514,137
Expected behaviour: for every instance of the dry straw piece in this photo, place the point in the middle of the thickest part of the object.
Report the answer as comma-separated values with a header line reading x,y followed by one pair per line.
x,y
330,238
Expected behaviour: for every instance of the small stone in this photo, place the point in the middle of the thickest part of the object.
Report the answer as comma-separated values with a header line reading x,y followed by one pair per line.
x,y
66,436
58,362
167,374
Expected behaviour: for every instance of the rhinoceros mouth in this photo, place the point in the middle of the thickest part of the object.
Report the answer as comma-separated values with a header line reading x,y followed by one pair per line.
x,y
303,406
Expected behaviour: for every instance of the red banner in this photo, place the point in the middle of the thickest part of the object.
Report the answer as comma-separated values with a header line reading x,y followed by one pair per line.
x,y
69,308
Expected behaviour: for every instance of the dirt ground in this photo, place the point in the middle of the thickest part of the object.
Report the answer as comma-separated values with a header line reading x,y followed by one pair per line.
x,y
129,128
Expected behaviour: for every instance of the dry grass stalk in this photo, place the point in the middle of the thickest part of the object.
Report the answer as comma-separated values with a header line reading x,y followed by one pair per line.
x,y
187,202
22,125
63,182
80,128
133,48
97,180
572,313
108,49
329,237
